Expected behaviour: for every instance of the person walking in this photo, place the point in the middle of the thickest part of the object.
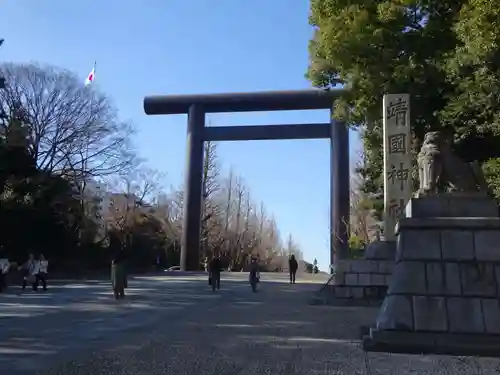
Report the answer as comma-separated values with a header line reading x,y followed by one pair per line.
x,y
4,270
43,267
292,268
30,269
214,270
118,275
118,270
254,275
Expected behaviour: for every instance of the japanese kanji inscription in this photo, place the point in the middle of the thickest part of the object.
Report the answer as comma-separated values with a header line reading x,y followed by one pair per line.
x,y
397,159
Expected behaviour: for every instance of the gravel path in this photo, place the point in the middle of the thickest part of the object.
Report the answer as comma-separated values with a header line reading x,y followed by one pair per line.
x,y
178,326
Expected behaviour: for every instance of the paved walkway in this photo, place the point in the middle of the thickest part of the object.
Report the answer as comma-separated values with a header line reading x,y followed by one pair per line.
x,y
176,325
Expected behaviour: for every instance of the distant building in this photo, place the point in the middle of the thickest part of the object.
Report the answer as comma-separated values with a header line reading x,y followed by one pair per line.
x,y
97,196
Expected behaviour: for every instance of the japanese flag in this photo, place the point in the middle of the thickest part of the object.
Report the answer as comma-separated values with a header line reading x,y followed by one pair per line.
x,y
90,77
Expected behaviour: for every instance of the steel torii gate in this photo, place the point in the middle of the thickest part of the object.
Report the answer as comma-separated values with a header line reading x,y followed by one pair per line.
x,y
196,106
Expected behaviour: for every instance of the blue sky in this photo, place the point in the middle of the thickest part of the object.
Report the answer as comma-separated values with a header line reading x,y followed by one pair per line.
x,y
188,47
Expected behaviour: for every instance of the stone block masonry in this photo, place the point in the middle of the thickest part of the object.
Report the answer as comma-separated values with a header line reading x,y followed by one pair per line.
x,y
360,281
444,297
451,205
381,250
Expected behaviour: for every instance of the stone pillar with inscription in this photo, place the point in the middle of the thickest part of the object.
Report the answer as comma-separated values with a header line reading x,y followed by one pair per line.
x,y
365,281
397,159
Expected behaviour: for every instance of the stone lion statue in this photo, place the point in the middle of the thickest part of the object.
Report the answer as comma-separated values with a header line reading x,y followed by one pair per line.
x,y
441,170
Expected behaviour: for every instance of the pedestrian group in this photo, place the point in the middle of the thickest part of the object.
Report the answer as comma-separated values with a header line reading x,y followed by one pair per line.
x,y
34,272
214,268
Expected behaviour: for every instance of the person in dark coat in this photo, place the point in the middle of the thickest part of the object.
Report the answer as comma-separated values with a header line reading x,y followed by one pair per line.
x,y
292,268
118,273
214,269
254,270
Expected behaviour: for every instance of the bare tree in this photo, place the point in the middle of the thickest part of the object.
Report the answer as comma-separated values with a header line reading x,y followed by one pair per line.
x,y
211,209
270,242
362,219
225,201
211,171
132,197
74,130
235,242
234,225
292,248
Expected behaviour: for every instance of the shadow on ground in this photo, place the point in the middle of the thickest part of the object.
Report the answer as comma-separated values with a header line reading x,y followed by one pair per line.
x,y
67,320
234,331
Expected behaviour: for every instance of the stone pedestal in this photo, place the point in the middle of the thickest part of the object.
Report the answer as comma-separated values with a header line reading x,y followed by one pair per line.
x,y
444,296
381,250
362,281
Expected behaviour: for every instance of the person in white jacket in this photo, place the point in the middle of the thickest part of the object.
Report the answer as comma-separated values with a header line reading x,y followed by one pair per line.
x,y
4,271
43,268
30,270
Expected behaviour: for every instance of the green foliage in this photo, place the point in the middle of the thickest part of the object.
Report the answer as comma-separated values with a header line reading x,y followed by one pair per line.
x,y
37,210
356,242
491,169
147,240
445,54
356,246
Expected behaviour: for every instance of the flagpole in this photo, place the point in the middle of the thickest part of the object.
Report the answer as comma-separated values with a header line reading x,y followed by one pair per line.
x,y
84,164
91,107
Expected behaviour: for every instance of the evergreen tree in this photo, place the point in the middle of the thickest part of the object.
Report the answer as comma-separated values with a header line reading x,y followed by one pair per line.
x,y
444,53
